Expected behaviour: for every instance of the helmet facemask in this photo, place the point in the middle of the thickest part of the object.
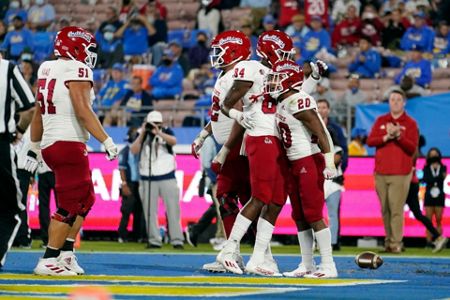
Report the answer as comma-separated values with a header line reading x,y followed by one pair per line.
x,y
91,55
216,56
285,55
273,84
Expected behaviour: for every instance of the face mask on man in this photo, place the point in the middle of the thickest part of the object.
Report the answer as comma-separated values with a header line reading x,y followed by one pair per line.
x,y
166,62
108,36
39,2
14,5
433,159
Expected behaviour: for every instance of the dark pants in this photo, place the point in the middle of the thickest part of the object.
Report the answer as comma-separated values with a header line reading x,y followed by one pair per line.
x,y
413,203
204,221
23,237
132,205
10,199
46,182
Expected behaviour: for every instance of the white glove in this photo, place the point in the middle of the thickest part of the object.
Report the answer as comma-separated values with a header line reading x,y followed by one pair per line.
x,y
245,119
318,69
34,158
330,168
111,149
198,142
219,159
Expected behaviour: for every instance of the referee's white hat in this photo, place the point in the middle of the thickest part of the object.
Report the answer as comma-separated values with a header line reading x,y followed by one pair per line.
x,y
154,117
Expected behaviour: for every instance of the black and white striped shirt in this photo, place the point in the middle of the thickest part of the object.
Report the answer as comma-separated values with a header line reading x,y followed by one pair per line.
x,y
14,93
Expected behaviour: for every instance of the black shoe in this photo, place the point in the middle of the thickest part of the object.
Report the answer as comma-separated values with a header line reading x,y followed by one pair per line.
x,y
178,247
336,247
191,238
153,246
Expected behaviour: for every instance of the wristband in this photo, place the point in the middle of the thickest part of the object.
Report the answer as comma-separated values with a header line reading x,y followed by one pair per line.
x,y
329,159
235,114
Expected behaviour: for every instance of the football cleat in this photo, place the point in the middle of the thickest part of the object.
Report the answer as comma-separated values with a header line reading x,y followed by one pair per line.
x,y
324,271
301,271
262,269
227,257
271,263
440,244
214,267
52,267
69,260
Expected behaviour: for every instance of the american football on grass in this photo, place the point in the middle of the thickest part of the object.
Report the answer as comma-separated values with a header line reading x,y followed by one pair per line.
x,y
368,260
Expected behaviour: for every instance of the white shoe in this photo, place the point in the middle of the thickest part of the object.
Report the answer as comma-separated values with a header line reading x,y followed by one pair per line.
x,y
51,266
301,271
69,260
219,246
271,263
440,244
227,257
324,271
263,269
214,267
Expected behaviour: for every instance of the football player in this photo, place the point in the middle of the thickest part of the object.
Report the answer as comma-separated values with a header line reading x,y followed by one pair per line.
x,y
310,150
267,160
227,49
60,128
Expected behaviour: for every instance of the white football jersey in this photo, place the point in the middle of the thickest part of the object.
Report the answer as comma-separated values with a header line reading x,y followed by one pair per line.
x,y
255,100
58,116
296,138
221,125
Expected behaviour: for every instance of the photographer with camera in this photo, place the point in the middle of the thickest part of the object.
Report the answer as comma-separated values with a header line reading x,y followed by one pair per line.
x,y
157,178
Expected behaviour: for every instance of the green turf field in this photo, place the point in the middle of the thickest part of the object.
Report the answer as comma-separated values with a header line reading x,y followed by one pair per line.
x,y
92,246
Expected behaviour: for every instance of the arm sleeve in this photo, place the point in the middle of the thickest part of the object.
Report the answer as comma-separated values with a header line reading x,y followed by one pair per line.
x,y
410,139
20,90
375,137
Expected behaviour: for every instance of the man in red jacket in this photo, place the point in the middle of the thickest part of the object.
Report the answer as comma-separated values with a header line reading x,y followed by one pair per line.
x,y
396,137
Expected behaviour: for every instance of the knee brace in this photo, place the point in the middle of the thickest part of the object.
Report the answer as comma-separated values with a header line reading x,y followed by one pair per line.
x,y
228,206
64,216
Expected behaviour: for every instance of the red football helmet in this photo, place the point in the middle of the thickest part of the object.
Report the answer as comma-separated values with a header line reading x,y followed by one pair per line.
x,y
285,75
275,45
229,47
76,43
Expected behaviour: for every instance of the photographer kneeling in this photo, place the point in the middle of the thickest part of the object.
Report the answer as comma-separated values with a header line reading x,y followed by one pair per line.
x,y
157,178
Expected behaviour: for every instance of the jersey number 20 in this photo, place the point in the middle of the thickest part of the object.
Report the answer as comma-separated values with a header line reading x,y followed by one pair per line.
x,y
50,86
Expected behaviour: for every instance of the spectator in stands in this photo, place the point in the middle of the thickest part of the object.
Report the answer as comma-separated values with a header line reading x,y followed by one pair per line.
x,y
389,6
413,6
353,95
161,9
128,10
441,43
18,40
247,29
3,31
209,18
110,48
395,136
134,33
42,44
259,10
157,40
113,93
112,18
347,31
419,36
41,14
371,25
367,62
323,91
324,109
357,145
418,68
180,57
340,9
167,79
297,29
26,67
315,40
268,22
137,102
394,30
199,54
408,86
15,10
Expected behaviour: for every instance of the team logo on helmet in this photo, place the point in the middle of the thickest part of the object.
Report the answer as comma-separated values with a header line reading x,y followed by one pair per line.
x,y
230,39
80,34
275,39
287,66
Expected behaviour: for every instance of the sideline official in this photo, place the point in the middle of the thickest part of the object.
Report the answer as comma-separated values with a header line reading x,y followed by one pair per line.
x,y
14,94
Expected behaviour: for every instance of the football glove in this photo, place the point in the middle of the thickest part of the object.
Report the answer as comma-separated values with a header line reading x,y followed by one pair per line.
x,y
198,142
33,159
219,159
110,148
318,68
330,168
245,119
